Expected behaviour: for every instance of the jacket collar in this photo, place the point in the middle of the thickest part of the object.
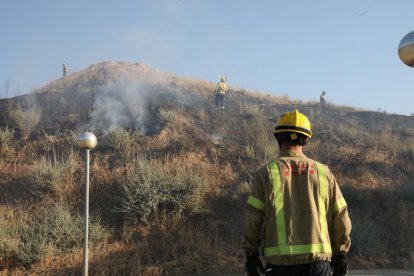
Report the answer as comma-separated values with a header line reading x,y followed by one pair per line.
x,y
291,153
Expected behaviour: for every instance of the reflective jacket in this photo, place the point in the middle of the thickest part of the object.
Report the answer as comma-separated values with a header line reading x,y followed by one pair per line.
x,y
301,208
221,88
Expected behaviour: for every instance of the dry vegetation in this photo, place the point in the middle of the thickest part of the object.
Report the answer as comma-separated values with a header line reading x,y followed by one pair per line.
x,y
168,186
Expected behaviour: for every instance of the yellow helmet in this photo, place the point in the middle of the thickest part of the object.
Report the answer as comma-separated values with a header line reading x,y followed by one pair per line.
x,y
294,122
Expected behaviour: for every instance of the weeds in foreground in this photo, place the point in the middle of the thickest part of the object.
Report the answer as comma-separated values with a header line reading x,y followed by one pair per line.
x,y
53,230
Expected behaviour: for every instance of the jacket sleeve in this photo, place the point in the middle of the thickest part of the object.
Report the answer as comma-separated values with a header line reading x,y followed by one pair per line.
x,y
254,213
341,223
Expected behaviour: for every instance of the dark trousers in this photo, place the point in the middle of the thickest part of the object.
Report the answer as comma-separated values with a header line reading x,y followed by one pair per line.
x,y
313,269
219,100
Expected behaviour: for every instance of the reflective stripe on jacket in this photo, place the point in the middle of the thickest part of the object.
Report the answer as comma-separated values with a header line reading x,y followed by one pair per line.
x,y
304,213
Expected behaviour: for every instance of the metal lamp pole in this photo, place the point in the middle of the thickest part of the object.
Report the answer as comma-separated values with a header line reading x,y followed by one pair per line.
x,y
87,141
406,54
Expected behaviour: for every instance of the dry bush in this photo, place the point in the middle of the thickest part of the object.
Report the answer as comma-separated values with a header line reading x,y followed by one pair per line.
x,y
9,237
52,175
410,150
366,235
257,130
6,138
26,120
51,230
124,142
217,176
147,189
250,151
201,113
48,142
168,115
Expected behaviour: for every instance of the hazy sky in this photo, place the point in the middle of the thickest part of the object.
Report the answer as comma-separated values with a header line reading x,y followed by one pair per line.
x,y
347,48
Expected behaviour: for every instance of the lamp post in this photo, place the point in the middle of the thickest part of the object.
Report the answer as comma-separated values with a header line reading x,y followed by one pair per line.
x,y
87,141
406,49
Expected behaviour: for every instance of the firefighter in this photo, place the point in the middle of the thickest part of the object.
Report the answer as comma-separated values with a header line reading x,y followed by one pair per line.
x,y
220,91
297,201
322,99
65,69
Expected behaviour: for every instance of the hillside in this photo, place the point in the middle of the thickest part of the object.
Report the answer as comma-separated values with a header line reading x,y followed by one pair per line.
x,y
169,178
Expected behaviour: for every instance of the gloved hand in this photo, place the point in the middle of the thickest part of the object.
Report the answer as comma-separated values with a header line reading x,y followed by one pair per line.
x,y
252,264
339,265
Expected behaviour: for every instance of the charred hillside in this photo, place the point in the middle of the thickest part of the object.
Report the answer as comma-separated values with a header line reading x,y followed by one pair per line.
x,y
169,177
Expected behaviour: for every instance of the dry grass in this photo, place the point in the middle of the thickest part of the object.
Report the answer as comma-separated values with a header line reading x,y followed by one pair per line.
x,y
370,154
26,120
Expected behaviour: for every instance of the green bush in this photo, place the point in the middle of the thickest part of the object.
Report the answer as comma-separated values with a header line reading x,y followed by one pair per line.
x,y
125,142
54,229
9,239
148,188
50,176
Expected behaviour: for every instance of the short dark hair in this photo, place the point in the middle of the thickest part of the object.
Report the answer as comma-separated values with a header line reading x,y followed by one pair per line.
x,y
294,138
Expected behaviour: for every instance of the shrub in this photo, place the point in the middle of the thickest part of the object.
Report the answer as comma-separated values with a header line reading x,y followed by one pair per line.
x,y
125,142
410,150
26,120
250,152
202,115
54,229
168,116
254,110
261,144
6,137
367,237
9,239
51,176
148,188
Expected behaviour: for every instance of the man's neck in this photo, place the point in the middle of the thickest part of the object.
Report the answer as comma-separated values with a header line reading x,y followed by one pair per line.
x,y
287,146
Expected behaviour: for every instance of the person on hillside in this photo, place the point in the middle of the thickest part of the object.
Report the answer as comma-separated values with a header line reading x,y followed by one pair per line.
x,y
220,91
65,69
322,99
299,205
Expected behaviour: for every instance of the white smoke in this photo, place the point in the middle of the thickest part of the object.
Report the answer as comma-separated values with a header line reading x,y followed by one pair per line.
x,y
125,102
120,104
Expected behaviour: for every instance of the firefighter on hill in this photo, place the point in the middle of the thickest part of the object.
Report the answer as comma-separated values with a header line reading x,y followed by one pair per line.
x,y
64,69
220,91
301,208
322,99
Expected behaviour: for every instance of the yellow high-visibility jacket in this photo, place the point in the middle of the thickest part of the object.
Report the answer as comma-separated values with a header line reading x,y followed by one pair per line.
x,y
304,216
221,88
